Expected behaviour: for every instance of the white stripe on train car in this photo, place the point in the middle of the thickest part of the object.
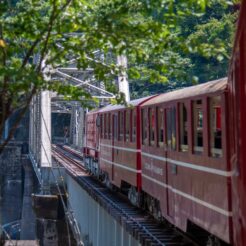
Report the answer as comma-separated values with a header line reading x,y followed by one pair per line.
x,y
190,197
121,166
121,148
192,166
178,163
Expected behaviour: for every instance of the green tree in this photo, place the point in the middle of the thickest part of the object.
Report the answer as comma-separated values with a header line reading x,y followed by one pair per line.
x,y
210,60
199,52
37,34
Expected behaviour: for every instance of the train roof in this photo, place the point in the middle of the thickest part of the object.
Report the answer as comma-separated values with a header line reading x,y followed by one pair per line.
x,y
133,103
94,111
190,92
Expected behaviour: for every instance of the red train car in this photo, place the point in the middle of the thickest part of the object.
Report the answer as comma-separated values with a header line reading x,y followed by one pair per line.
x,y
120,147
237,123
185,162
91,141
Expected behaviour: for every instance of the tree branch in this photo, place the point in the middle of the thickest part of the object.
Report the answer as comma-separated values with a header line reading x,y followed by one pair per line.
x,y
17,121
40,37
6,100
5,114
5,104
50,25
30,51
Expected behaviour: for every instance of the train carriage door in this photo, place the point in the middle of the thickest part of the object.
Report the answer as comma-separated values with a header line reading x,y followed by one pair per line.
x,y
114,138
171,142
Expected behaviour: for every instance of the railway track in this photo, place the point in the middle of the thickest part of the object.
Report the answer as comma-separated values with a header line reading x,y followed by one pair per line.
x,y
73,164
138,223
72,151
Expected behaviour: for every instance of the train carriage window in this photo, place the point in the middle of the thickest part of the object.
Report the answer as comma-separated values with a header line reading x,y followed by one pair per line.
x,y
197,127
106,126
128,118
116,131
102,125
160,126
171,128
134,123
183,127
109,126
118,134
144,127
215,126
121,136
152,124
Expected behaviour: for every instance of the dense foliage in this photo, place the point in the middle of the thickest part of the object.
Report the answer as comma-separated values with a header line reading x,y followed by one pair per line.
x,y
38,35
207,41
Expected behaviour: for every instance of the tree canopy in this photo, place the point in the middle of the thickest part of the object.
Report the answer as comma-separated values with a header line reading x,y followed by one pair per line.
x,y
39,34
200,51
